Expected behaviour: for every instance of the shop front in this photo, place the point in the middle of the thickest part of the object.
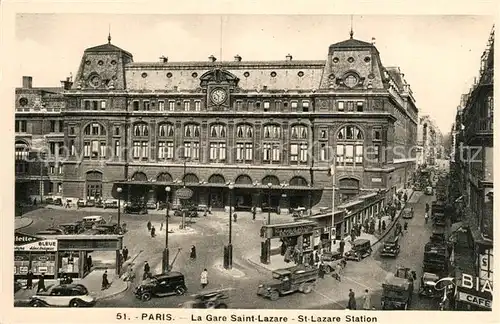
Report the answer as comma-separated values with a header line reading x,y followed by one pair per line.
x,y
473,294
58,254
296,241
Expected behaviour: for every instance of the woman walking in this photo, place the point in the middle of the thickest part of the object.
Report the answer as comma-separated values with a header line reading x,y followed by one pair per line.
x,y
204,278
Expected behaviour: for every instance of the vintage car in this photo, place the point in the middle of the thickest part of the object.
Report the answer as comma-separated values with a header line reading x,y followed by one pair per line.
x,y
93,221
289,280
298,211
80,203
428,285
191,211
207,300
90,203
429,191
71,295
151,205
135,208
397,290
109,203
73,228
360,249
161,285
407,213
99,203
330,260
391,247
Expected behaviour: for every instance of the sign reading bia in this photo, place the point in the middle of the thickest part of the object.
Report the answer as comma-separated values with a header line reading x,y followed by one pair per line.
x,y
471,282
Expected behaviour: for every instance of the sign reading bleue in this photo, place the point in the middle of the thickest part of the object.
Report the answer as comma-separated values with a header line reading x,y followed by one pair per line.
x,y
44,245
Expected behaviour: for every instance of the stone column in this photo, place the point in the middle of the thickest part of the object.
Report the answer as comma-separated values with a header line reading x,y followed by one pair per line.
x,y
257,154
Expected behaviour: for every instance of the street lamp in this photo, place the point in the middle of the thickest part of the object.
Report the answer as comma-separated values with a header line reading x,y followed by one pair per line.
x,y
166,253
229,248
269,185
119,191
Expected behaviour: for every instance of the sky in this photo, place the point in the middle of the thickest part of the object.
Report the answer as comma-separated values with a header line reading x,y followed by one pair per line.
x,y
439,54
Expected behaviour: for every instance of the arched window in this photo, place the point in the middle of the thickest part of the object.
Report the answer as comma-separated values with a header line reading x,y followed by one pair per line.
x,y
272,149
350,143
141,130
191,178
216,178
244,143
94,141
139,176
243,179
299,132
271,179
298,181
272,131
166,141
217,143
299,146
164,177
191,141
348,187
140,142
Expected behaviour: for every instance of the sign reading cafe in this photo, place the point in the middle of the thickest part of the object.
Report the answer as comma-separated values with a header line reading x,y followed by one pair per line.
x,y
25,242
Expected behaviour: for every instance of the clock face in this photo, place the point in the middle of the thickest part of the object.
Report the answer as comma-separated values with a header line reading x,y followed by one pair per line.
x,y
218,96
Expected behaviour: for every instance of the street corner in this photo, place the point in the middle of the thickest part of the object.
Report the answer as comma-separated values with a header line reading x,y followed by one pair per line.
x,y
22,222
233,272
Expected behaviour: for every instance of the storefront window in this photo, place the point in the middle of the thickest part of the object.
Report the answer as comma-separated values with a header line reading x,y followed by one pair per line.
x,y
69,262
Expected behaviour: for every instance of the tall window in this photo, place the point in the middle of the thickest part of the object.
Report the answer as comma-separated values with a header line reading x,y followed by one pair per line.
x,y
166,141
349,148
218,134
244,143
141,130
171,105
21,126
298,144
161,105
187,105
117,148
271,144
197,105
94,141
140,141
192,141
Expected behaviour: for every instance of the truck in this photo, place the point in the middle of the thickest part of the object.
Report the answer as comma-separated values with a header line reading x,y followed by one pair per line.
x,y
397,290
289,280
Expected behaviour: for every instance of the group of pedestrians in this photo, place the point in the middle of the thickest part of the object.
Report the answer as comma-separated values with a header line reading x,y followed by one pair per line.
x,y
151,228
351,303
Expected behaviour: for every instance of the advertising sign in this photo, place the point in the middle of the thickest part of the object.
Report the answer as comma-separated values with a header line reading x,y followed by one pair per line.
x,y
39,246
184,193
475,300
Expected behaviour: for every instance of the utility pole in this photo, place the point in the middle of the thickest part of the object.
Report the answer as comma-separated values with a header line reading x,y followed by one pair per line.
x,y
332,172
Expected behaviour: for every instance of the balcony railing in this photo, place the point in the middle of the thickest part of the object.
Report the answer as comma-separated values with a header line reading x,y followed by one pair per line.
x,y
482,126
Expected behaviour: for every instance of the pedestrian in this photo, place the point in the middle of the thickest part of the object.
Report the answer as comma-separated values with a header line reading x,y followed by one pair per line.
x,y
89,262
192,255
205,212
34,202
204,278
235,217
210,210
41,283
366,300
406,226
339,270
146,267
383,225
352,300
254,212
405,197
125,254
105,282
427,207
343,263
161,226
342,245
149,226
153,231
321,270
29,280
426,216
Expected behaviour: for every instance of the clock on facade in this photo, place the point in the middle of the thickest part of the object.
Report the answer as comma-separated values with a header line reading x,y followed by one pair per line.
x,y
218,96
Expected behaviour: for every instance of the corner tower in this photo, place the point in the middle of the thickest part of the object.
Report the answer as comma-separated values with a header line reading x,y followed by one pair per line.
x,y
102,68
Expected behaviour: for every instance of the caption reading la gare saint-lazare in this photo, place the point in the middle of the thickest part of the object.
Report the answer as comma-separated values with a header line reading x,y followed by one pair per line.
x,y
283,319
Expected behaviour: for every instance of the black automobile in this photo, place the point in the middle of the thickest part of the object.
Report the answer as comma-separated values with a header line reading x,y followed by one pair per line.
x,y
108,229
391,247
207,300
161,285
360,249
66,295
135,208
58,202
73,228
191,211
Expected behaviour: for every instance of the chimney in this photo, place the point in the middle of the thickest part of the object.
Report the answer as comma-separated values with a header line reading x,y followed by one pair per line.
x,y
212,58
27,82
163,59
66,84
289,57
373,40
237,58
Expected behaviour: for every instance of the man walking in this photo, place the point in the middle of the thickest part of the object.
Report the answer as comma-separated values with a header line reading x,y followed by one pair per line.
x,y
29,280
254,212
125,254
105,282
146,267
41,283
342,245
367,301
352,300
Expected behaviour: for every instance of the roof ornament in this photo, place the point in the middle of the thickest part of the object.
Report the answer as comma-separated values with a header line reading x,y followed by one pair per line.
x,y
351,33
109,34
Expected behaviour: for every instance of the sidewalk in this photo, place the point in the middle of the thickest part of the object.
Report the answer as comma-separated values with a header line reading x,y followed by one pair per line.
x,y
277,261
22,222
92,282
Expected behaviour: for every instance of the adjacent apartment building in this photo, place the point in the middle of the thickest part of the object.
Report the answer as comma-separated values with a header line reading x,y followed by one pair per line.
x,y
266,127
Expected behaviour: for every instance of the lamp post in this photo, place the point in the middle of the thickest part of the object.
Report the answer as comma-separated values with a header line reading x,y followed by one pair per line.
x,y
119,191
229,249
269,185
166,253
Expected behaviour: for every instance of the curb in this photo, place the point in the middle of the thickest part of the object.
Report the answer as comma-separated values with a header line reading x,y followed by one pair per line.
x,y
259,265
24,226
127,286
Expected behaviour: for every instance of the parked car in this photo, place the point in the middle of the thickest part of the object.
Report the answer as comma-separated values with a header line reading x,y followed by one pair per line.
x,y
202,208
360,249
90,203
73,228
407,213
110,204
207,300
49,201
331,259
80,203
151,205
135,209
108,229
51,231
69,295
161,285
58,202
